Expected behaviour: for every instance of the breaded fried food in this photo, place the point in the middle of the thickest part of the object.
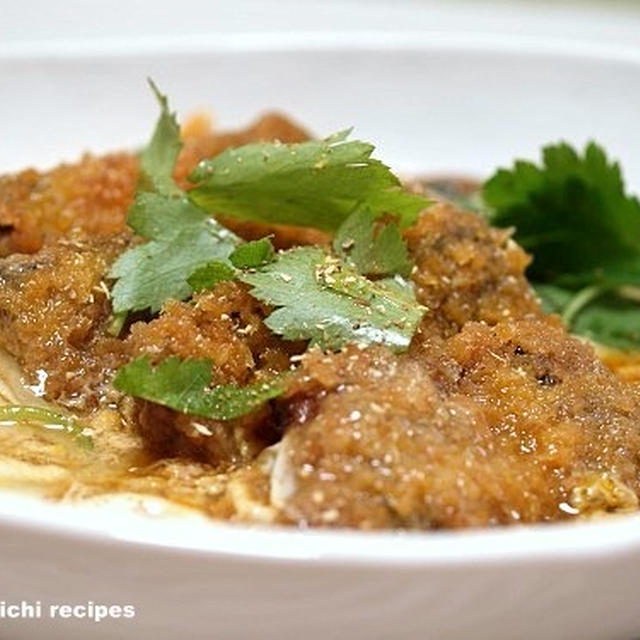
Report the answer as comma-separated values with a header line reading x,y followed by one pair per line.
x,y
92,197
55,319
225,325
493,415
55,311
523,424
467,271
54,316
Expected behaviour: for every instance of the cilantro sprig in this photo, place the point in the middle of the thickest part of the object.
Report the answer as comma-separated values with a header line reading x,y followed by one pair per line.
x,y
573,214
318,295
322,299
184,385
374,252
182,238
310,184
159,157
609,316
316,184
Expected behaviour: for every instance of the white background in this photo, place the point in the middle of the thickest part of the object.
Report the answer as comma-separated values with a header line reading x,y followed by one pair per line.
x,y
72,21
66,87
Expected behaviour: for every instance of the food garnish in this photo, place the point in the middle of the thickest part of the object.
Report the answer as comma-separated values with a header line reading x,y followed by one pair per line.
x,y
53,420
372,251
209,275
310,184
182,238
321,298
251,255
184,385
573,215
320,295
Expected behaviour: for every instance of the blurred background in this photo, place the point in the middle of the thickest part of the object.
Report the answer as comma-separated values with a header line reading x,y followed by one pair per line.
x,y
96,22
437,85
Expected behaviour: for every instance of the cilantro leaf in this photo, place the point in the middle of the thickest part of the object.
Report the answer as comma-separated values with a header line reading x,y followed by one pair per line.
x,y
252,254
573,214
184,385
246,256
159,157
182,238
583,229
322,299
610,317
381,254
209,275
310,184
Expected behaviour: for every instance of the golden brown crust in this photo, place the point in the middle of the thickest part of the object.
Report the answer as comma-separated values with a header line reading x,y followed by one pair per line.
x,y
494,416
93,195
54,307
225,326
467,271
54,313
516,428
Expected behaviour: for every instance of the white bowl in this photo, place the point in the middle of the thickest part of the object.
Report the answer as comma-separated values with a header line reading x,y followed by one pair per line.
x,y
443,103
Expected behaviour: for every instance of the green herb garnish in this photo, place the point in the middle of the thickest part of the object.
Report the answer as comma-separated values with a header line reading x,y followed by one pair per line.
x,y
52,420
184,385
374,252
248,255
209,275
322,299
309,184
158,158
573,214
182,238
252,254
606,316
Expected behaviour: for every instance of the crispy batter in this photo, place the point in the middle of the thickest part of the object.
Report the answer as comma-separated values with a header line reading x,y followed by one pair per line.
x,y
494,416
226,326
54,311
54,317
520,423
467,271
91,196
94,195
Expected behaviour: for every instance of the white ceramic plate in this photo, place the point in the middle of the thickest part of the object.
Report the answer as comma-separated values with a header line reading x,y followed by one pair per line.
x,y
442,103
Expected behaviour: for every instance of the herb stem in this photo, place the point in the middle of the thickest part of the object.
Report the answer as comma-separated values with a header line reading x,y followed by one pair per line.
x,y
579,301
116,323
15,414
